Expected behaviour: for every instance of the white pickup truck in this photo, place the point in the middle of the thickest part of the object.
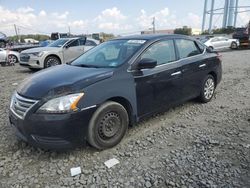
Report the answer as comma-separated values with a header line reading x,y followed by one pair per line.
x,y
60,51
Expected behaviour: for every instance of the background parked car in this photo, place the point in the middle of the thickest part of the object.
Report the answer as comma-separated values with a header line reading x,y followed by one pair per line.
x,y
216,43
3,40
241,33
9,56
58,52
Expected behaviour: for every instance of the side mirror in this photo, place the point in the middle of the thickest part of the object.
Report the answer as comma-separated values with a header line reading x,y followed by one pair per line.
x,y
146,63
66,46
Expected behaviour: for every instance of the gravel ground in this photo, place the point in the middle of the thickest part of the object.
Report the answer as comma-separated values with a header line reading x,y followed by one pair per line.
x,y
192,145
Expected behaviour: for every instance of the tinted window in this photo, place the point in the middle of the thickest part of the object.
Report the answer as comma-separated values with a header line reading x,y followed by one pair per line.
x,y
162,52
73,43
82,42
90,43
187,48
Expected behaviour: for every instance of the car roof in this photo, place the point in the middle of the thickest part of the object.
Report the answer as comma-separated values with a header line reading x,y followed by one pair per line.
x,y
74,38
152,37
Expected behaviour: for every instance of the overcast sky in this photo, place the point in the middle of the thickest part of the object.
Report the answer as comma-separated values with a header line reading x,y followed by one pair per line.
x,y
112,16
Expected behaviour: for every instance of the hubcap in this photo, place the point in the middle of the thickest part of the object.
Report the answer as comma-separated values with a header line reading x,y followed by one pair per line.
x,y
209,88
12,59
109,125
52,62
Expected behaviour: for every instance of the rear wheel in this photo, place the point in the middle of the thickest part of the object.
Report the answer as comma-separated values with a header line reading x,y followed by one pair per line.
x,y
233,45
208,88
211,48
12,59
108,125
51,61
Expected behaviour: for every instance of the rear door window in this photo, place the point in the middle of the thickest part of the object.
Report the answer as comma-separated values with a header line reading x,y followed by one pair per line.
x,y
82,41
90,43
163,52
187,48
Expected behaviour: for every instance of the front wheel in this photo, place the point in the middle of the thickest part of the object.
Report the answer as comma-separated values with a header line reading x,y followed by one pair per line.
x,y
208,88
108,125
51,61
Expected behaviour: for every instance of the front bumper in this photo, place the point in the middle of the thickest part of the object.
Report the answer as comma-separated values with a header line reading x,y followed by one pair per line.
x,y
53,131
32,63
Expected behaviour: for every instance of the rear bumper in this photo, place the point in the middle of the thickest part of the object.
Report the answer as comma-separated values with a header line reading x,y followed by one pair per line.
x,y
53,131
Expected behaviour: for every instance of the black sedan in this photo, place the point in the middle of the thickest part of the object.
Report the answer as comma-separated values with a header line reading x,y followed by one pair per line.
x,y
110,87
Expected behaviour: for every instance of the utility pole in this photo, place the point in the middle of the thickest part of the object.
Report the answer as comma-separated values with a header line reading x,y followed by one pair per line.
x,y
153,23
204,16
236,13
16,32
211,17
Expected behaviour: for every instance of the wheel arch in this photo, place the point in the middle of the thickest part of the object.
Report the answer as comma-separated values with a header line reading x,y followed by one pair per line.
x,y
15,56
127,105
215,77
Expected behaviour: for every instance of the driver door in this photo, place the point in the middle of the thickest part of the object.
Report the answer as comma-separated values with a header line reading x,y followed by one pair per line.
x,y
160,87
72,50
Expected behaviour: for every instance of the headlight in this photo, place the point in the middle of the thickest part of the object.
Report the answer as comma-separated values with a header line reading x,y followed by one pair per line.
x,y
38,54
61,104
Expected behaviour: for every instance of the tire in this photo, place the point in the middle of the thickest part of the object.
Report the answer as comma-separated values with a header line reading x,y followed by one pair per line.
x,y
233,45
12,59
51,61
211,48
108,125
208,88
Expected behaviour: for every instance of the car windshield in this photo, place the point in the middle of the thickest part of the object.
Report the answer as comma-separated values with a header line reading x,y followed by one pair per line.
x,y
58,43
109,54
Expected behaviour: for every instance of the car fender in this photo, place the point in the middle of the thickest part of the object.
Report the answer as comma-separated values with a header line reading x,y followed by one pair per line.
x,y
97,93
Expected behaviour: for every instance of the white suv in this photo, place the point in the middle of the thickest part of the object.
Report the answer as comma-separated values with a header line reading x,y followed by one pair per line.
x,y
60,51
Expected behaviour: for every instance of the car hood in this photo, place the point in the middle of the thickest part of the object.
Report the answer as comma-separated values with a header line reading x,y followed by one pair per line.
x,y
61,80
41,49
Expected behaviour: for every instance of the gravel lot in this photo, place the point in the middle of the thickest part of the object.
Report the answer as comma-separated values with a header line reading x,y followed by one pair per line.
x,y
192,145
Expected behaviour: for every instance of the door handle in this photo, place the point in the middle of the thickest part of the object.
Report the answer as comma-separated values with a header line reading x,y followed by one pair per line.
x,y
176,73
203,65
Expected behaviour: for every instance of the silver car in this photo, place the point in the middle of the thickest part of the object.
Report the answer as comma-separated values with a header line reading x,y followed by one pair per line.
x,y
217,43
9,56
58,52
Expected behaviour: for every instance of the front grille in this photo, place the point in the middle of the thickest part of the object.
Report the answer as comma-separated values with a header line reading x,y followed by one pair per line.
x,y
24,57
20,105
